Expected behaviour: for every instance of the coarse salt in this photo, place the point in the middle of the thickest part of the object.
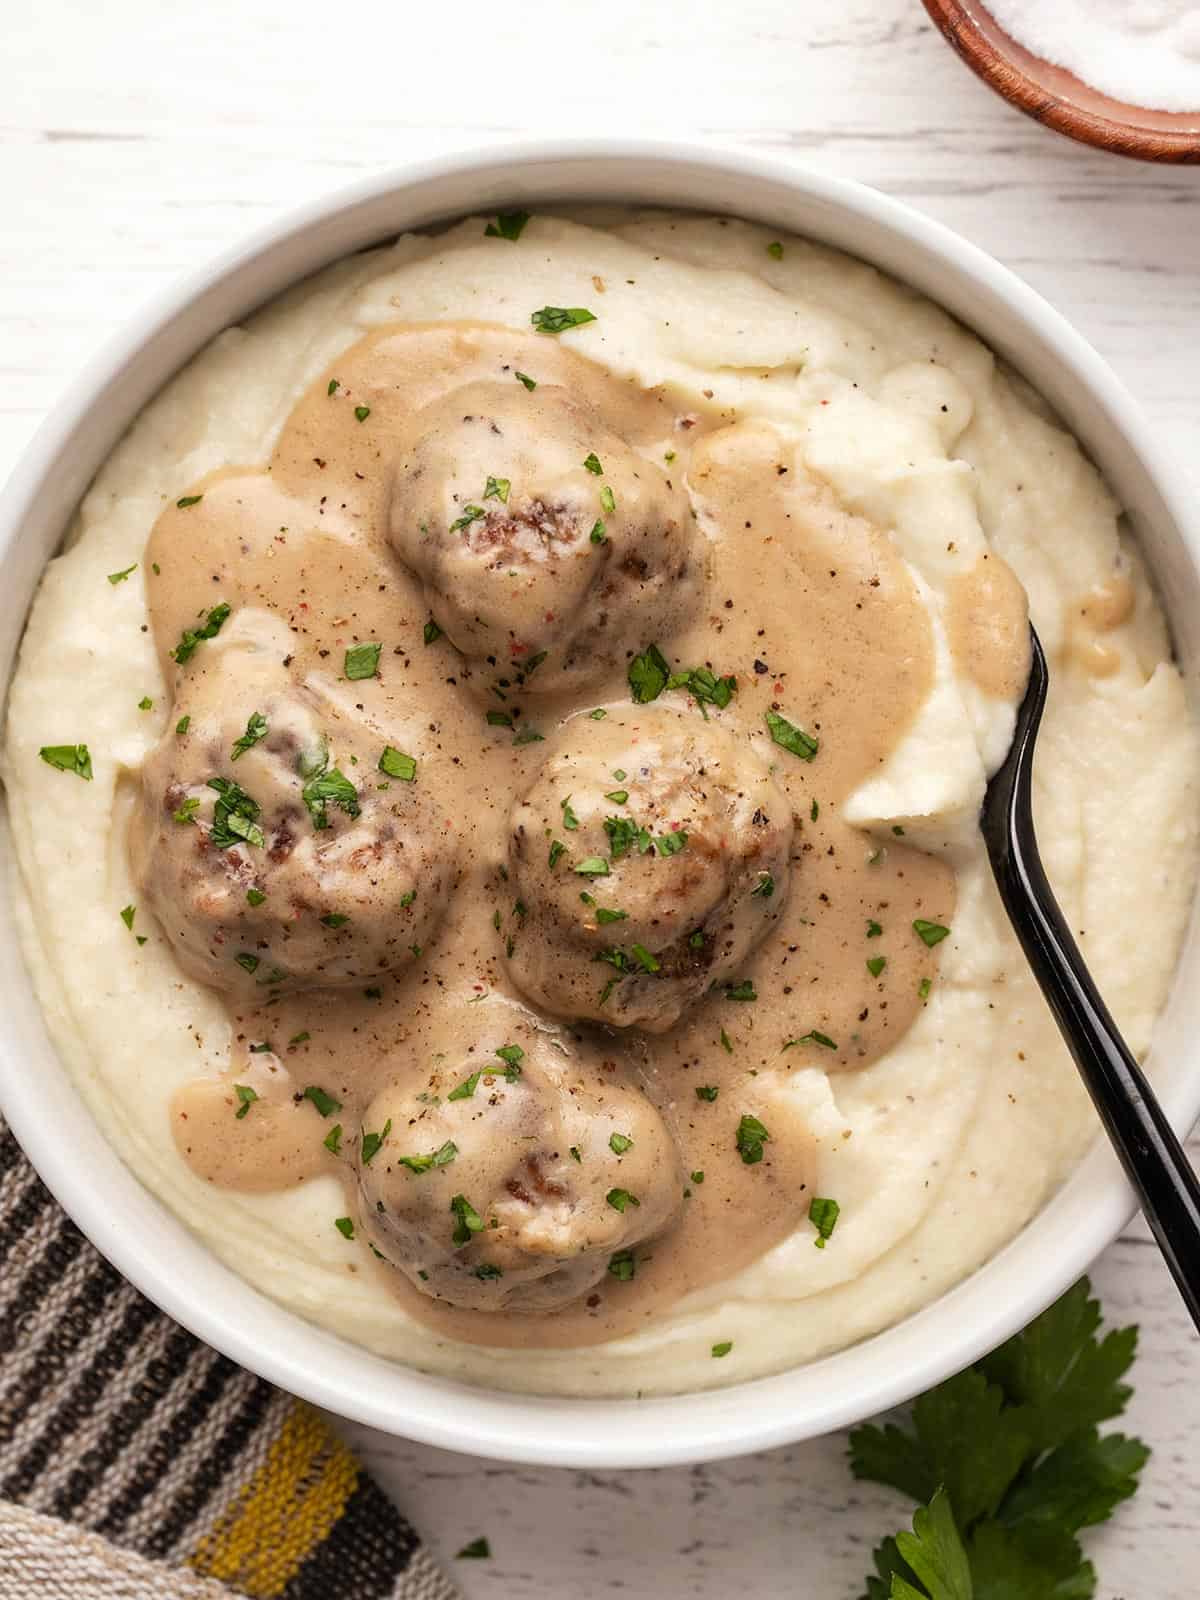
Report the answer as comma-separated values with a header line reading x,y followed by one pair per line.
x,y
1146,52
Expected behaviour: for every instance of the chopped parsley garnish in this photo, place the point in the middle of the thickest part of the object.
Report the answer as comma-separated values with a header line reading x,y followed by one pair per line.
x,y
373,992
68,758
362,413
744,990
707,1091
557,851
608,501
523,377
592,463
466,1089
477,1550
876,964
246,1098
371,1142
789,737
235,816
488,1269
598,715
764,888
619,797
874,929
512,1055
189,500
256,729
814,811
497,489
467,1220
333,1140
335,919
528,736
725,1044
570,820
574,1154
397,765
345,1226
775,250
598,534
470,514
930,933
619,1199
648,675
334,386
618,1143
254,897
697,1177
722,1349
325,1103
751,1136
924,988
432,631
362,661
145,703
247,961
623,834
119,577
182,726
823,1215
644,959
604,915
127,915
557,319
670,844
704,686
299,1038
592,867
436,1158
508,225
622,1265
811,1037
191,637
325,786
499,719
407,898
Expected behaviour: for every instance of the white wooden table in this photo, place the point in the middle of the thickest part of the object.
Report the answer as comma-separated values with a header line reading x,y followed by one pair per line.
x,y
137,137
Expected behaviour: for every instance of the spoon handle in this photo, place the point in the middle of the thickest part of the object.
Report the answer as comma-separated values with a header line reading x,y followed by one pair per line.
x,y
1153,1158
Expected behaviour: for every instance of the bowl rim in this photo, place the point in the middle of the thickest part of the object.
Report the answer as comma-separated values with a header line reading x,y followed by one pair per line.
x,y
175,1270
1004,73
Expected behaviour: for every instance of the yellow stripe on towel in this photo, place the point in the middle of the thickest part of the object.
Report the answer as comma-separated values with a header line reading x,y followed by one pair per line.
x,y
284,1512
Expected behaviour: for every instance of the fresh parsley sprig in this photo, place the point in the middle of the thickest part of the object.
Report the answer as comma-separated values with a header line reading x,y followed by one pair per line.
x,y
1009,1465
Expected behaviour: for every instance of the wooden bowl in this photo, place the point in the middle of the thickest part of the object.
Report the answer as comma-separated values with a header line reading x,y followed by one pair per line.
x,y
1059,99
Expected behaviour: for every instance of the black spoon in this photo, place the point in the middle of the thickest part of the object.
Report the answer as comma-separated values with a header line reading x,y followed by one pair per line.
x,y
1152,1156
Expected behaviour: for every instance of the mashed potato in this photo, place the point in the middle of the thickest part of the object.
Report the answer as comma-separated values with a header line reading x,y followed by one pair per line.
x,y
953,1135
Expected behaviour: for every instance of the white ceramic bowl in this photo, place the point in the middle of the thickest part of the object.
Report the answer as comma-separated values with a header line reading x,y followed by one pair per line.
x,y
155,1250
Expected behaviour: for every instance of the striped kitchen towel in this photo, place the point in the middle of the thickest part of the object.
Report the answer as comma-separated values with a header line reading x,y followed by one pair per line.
x,y
136,1462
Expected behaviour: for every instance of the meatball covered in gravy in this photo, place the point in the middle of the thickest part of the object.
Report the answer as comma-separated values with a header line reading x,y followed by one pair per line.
x,y
652,855
547,547
282,842
518,1170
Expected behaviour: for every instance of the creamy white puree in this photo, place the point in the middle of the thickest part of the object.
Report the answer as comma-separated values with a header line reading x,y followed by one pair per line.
x,y
938,1152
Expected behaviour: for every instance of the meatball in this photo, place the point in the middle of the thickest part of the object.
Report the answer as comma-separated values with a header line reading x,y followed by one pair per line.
x,y
278,839
652,855
539,535
509,1176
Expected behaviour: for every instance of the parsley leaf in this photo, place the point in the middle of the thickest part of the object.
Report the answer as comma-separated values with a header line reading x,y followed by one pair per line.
x,y
524,378
1013,1466
371,1142
74,758
508,225
930,933
397,765
119,577
432,632
235,816
191,637
751,1136
648,675
704,686
789,737
246,1098
362,661
256,729
436,1158
325,786
557,319
467,1220
823,1214
325,1103
497,489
